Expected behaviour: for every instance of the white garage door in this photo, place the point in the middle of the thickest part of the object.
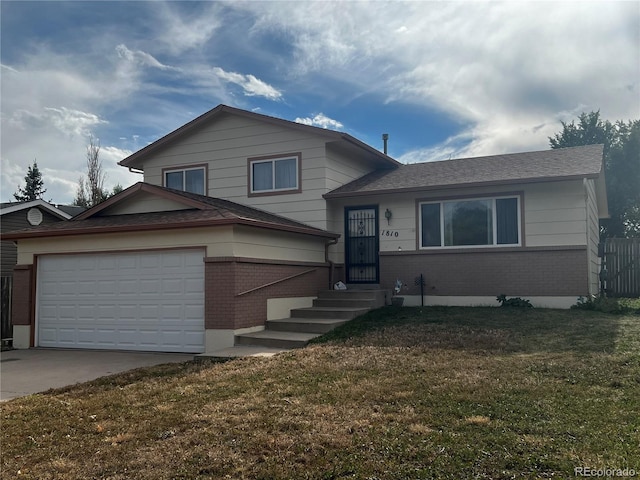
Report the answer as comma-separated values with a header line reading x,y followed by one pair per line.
x,y
151,301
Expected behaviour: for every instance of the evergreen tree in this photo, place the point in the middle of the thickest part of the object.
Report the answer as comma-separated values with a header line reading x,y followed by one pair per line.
x,y
34,184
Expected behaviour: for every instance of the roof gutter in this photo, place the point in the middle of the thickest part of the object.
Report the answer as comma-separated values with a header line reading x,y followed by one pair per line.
x,y
26,234
389,191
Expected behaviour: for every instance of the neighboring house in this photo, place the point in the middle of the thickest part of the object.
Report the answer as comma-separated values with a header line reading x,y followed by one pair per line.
x,y
242,217
20,215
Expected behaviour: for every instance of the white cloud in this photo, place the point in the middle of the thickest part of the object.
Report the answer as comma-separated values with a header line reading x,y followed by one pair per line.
x,y
251,85
501,68
140,57
320,120
115,174
62,160
180,32
507,73
72,122
452,147
47,114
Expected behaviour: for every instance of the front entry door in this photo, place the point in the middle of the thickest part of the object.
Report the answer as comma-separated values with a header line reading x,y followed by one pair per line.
x,y
362,244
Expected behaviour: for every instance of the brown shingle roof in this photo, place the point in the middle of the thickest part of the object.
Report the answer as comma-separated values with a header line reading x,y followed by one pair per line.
x,y
205,211
547,165
136,159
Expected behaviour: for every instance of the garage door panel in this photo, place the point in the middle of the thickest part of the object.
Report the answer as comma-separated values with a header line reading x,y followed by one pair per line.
x,y
134,301
49,288
66,288
82,314
172,314
173,286
48,335
150,286
123,263
85,288
63,337
127,312
193,286
172,337
149,312
127,287
106,264
191,314
84,264
106,288
106,313
193,339
86,337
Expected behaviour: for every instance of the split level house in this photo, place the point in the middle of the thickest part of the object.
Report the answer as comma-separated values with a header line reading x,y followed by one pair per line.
x,y
241,217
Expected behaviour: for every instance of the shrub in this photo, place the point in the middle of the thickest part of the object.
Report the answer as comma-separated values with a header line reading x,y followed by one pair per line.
x,y
513,302
599,303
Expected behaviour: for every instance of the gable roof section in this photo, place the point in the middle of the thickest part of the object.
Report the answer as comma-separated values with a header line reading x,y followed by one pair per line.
x,y
11,207
541,166
203,212
135,160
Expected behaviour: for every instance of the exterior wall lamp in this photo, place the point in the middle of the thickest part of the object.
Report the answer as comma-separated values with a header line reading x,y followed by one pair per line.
x,y
387,215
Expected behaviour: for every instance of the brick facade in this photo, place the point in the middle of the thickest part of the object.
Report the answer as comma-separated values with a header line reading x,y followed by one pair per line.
x,y
557,271
237,289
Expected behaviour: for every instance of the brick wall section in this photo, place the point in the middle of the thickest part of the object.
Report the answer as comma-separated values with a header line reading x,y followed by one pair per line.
x,y
513,272
21,301
219,288
227,278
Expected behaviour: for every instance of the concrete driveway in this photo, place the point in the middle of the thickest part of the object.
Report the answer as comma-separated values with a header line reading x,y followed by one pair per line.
x,y
23,372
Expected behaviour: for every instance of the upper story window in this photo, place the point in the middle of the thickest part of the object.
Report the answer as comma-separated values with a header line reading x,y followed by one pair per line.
x,y
470,222
189,179
275,174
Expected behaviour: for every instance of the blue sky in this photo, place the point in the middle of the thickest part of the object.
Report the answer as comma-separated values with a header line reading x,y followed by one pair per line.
x,y
444,79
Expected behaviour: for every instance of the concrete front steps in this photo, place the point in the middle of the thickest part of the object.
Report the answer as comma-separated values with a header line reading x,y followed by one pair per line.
x,y
331,309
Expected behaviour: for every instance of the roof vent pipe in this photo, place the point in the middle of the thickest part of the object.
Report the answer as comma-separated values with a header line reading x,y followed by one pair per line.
x,y
385,139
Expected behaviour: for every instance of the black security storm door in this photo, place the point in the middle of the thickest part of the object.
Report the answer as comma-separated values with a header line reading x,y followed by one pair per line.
x,y
362,244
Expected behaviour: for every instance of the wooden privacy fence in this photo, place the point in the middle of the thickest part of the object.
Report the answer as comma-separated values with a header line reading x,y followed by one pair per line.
x,y
620,274
5,288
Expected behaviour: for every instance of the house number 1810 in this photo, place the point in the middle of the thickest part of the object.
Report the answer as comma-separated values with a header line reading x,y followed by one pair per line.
x,y
388,233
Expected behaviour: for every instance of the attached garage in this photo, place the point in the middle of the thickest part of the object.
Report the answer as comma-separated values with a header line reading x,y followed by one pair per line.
x,y
155,269
146,301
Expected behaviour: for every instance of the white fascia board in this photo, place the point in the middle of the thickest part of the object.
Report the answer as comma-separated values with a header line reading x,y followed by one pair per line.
x,y
35,203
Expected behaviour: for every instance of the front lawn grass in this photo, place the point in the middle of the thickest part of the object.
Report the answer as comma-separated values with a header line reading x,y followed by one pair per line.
x,y
398,393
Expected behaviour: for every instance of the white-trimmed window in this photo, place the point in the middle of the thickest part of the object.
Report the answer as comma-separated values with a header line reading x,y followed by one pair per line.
x,y
274,174
190,179
470,222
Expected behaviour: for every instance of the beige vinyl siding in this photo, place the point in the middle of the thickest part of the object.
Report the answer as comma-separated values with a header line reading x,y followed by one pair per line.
x,y
593,236
144,203
555,214
343,168
403,221
226,145
255,243
222,241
